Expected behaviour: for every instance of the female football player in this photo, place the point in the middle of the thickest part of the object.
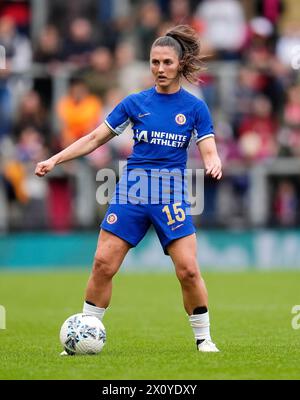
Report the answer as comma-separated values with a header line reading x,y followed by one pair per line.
x,y
164,119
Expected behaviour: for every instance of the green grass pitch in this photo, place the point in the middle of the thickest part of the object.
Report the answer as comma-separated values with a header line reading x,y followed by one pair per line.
x,y
148,335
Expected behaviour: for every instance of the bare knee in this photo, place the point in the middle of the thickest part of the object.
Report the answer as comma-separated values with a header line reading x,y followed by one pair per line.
x,y
188,273
103,268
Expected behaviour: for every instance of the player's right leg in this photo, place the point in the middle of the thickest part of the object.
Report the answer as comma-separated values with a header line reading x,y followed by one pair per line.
x,y
110,253
123,227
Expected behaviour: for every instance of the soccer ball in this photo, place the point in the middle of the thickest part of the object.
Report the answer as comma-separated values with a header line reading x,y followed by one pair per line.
x,y
82,334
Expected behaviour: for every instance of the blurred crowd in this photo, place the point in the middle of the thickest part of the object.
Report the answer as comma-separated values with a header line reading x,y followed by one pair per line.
x,y
68,65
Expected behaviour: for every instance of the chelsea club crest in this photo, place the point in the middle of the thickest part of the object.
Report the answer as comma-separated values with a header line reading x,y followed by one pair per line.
x,y
180,119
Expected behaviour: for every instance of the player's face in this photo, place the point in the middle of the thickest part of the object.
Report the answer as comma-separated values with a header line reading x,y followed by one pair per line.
x,y
165,67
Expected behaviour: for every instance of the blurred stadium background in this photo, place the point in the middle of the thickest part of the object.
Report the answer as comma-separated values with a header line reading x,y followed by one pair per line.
x,y
68,63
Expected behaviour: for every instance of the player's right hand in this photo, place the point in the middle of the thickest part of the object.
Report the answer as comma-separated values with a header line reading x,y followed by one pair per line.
x,y
43,167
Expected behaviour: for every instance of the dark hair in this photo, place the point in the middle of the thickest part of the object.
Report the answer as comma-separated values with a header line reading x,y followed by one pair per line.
x,y
185,41
76,80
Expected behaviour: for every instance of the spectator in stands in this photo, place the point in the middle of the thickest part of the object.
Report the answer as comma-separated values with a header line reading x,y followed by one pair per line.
x,y
131,72
260,34
271,10
32,114
29,148
79,112
180,13
269,83
101,74
246,90
19,11
17,46
80,43
228,146
288,45
286,204
14,176
290,133
5,104
149,19
224,26
25,194
17,60
257,133
49,47
62,13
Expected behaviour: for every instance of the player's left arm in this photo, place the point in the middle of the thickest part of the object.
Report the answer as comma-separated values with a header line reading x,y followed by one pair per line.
x,y
210,157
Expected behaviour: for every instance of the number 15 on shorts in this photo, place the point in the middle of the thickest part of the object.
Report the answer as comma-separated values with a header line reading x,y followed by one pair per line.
x,y
175,214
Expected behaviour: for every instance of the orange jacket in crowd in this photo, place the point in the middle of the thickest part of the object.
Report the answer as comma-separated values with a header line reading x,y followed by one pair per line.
x,y
78,117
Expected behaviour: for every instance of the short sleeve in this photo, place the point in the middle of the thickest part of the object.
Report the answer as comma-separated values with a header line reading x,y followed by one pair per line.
x,y
203,122
119,118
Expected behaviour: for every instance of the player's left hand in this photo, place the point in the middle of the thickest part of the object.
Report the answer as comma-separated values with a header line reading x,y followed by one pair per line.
x,y
214,168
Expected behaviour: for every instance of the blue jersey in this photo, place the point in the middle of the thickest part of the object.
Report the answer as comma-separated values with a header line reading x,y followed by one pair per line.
x,y
163,126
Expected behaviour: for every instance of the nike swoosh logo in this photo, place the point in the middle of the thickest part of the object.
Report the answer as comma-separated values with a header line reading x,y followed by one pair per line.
x,y
143,115
176,227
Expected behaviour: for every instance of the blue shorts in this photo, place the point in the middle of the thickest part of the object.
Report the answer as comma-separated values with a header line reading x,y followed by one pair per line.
x,y
131,222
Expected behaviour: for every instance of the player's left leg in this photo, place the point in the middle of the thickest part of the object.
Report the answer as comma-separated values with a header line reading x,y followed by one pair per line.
x,y
183,252
184,256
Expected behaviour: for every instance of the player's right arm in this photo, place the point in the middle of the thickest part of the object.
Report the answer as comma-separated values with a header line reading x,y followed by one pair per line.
x,y
81,147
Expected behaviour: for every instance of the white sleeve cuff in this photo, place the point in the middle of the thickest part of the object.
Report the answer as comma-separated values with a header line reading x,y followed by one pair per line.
x,y
111,128
205,136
